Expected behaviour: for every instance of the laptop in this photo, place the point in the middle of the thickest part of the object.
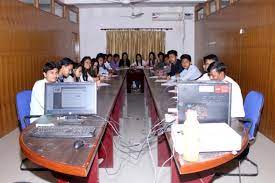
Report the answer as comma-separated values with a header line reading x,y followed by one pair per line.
x,y
70,99
211,100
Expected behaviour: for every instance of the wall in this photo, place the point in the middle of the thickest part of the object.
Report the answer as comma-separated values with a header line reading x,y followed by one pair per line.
x,y
28,38
249,56
93,40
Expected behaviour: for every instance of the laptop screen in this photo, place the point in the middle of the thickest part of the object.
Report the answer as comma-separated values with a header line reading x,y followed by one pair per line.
x,y
70,98
211,100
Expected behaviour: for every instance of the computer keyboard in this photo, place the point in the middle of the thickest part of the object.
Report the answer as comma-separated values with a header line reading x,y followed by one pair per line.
x,y
63,131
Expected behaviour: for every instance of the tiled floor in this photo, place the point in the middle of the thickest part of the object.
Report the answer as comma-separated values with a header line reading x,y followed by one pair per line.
x,y
134,127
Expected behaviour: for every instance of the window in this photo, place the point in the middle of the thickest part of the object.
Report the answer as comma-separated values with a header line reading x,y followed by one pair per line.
x,y
225,3
28,1
45,5
73,16
58,9
200,14
213,6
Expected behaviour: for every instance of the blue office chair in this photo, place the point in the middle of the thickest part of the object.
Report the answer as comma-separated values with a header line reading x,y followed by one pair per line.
x,y
253,106
23,100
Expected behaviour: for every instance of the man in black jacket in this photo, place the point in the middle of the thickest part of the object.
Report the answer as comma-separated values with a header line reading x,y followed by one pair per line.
x,y
176,67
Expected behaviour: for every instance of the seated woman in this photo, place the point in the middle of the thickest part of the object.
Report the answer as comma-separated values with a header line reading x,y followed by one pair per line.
x,y
152,59
103,71
124,62
139,62
77,72
190,72
115,62
87,75
160,64
108,61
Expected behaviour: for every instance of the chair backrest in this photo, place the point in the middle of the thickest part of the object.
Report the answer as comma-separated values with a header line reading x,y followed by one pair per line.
x,y
253,105
23,100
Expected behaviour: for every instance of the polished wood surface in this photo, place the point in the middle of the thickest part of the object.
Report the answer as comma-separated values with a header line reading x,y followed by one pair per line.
x,y
29,37
59,154
249,56
135,75
163,100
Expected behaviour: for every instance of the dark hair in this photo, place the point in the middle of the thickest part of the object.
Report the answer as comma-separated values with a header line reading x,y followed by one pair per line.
x,y
109,55
154,58
77,65
172,52
154,55
116,55
100,55
49,66
210,57
65,61
161,53
124,53
84,59
84,70
140,57
185,56
218,66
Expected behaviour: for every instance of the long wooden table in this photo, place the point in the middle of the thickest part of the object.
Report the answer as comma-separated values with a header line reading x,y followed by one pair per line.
x,y
59,155
159,100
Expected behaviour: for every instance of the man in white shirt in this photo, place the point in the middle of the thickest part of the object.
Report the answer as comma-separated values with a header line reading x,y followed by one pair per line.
x,y
50,73
207,60
190,72
217,71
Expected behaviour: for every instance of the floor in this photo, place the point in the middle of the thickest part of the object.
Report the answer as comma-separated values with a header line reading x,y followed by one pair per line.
x,y
129,167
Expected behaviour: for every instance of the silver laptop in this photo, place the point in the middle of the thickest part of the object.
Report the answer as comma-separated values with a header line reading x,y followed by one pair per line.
x,y
66,99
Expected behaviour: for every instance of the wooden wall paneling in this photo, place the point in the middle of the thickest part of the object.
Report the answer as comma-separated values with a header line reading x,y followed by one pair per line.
x,y
29,37
249,56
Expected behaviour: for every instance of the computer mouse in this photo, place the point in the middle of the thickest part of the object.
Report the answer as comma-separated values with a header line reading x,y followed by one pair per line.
x,y
78,144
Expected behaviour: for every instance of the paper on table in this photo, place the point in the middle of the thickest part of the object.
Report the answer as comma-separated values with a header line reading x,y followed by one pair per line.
x,y
113,76
103,84
172,91
160,80
169,84
172,110
153,77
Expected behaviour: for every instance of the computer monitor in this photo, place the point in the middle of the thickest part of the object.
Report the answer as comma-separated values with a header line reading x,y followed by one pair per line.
x,y
70,99
211,100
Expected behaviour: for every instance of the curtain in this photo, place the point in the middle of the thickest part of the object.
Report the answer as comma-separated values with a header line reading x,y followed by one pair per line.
x,y
134,42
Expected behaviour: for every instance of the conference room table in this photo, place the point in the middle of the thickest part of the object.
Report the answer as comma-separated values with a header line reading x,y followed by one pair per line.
x,y
72,165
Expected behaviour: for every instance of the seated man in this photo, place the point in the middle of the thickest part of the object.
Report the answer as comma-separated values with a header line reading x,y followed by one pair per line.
x,y
190,72
50,73
175,66
65,67
207,60
217,71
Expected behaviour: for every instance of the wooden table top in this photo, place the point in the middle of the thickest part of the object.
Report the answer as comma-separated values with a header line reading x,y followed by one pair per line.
x,y
163,100
59,154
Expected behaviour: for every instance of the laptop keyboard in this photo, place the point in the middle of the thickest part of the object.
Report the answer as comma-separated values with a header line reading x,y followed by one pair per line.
x,y
63,131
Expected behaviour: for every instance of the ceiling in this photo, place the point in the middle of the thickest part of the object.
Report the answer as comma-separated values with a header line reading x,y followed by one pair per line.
x,y
105,3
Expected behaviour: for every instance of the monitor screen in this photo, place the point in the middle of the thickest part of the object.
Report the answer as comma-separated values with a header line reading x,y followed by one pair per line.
x,y
70,98
211,100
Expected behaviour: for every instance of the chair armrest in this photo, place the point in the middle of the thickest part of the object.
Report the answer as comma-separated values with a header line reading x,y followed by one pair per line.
x,y
244,120
29,117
